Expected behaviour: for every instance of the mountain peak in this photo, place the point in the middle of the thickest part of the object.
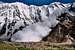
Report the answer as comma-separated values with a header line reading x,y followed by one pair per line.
x,y
22,23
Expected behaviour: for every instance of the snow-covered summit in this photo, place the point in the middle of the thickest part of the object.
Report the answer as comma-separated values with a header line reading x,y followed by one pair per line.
x,y
22,23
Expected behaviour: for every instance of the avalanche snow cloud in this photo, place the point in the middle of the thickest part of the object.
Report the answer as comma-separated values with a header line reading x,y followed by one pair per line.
x,y
22,23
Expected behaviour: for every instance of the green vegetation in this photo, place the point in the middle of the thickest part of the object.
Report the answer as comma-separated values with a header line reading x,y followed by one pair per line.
x,y
24,49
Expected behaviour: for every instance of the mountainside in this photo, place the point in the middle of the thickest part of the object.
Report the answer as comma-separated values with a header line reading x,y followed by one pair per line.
x,y
22,23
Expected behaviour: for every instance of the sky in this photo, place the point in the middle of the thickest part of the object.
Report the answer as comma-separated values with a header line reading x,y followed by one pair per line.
x,y
38,2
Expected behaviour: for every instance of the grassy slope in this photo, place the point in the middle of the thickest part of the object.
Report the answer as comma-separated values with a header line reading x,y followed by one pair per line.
x,y
34,46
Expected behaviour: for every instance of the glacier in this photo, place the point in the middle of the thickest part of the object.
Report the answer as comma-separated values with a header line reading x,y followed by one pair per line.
x,y
23,23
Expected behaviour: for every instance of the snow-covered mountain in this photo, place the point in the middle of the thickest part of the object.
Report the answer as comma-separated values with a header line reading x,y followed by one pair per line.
x,y
22,23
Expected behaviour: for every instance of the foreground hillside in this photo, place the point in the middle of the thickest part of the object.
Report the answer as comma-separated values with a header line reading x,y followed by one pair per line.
x,y
36,46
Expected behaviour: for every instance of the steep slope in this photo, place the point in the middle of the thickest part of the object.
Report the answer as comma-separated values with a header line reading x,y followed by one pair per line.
x,y
22,23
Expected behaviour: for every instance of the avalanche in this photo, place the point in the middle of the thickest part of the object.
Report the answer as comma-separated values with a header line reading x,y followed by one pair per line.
x,y
22,23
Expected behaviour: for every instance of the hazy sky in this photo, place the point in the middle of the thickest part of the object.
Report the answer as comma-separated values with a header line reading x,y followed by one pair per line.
x,y
38,2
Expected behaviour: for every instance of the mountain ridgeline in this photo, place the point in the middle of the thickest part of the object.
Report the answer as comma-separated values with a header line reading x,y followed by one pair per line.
x,y
22,23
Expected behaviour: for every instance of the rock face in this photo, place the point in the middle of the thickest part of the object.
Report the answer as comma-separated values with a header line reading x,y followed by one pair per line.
x,y
22,23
